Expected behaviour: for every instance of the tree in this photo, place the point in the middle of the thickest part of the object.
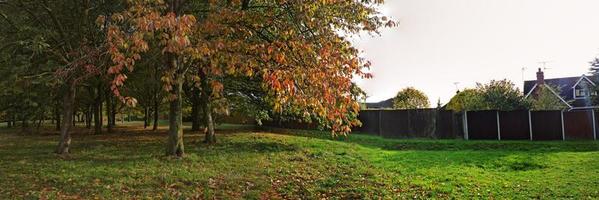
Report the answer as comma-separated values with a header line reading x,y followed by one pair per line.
x,y
595,72
297,49
67,46
495,95
410,98
502,95
467,100
545,99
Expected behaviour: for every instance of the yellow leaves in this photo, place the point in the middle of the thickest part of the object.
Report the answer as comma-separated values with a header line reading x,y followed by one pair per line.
x,y
231,70
249,73
118,17
202,50
130,101
217,88
277,107
280,58
101,21
168,80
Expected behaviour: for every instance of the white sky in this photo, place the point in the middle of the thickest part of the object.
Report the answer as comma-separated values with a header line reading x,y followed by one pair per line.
x,y
439,42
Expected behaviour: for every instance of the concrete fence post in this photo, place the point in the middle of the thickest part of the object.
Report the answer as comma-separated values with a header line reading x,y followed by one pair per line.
x,y
530,124
563,129
498,126
465,124
594,125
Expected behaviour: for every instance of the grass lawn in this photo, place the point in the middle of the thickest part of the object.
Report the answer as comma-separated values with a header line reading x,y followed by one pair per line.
x,y
294,164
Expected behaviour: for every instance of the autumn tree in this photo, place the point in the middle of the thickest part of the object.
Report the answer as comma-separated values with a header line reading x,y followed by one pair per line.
x,y
410,98
299,50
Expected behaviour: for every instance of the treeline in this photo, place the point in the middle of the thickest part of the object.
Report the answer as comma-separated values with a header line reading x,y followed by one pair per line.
x,y
90,60
505,96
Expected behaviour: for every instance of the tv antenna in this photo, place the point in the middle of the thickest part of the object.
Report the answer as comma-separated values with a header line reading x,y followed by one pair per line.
x,y
457,86
523,71
544,64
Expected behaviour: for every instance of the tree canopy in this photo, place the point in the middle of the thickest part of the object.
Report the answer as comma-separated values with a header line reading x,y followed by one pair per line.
x,y
410,98
469,99
278,57
495,95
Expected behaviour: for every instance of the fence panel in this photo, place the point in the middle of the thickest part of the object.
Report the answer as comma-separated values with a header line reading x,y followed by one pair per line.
x,y
446,125
578,125
514,125
422,123
370,121
394,123
546,125
482,125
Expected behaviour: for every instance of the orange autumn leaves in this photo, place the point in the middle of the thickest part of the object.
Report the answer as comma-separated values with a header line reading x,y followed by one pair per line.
x,y
294,47
148,23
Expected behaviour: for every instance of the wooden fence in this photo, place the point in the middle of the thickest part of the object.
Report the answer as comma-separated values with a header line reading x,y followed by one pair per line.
x,y
418,123
530,125
473,125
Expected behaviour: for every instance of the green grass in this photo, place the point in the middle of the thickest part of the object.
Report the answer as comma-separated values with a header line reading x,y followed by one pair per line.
x,y
284,164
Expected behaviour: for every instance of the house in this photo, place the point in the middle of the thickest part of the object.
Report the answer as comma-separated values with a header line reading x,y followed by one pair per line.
x,y
386,104
574,92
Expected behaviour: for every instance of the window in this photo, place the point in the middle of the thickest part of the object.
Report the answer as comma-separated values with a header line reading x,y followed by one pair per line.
x,y
583,92
584,89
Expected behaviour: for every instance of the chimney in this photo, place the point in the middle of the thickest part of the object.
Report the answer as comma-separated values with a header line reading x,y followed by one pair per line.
x,y
540,77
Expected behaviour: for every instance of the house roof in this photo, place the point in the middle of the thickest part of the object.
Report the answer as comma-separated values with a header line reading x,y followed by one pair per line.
x,y
381,104
553,92
566,88
564,84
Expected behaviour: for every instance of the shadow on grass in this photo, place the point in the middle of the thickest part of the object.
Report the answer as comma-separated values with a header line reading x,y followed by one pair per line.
x,y
258,147
446,145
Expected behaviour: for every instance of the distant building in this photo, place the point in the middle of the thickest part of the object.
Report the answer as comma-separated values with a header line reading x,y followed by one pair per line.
x,y
574,92
386,104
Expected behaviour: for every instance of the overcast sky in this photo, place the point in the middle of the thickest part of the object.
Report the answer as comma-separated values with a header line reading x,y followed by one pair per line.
x,y
439,42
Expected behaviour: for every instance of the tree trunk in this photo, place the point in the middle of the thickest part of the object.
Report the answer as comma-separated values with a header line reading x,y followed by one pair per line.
x,y
74,121
89,116
100,109
39,122
196,119
97,113
57,119
175,145
25,124
156,113
207,110
146,117
109,106
113,111
14,120
67,114
175,141
9,120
